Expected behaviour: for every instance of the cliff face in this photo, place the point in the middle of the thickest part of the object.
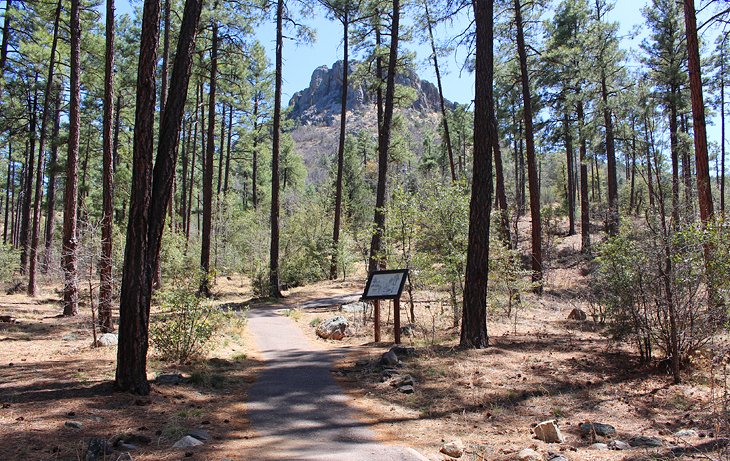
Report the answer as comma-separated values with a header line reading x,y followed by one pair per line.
x,y
319,104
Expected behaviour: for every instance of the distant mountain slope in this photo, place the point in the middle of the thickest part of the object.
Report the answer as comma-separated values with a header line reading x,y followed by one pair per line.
x,y
319,104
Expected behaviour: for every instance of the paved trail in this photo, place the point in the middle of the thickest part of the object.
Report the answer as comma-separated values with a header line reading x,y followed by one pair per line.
x,y
296,407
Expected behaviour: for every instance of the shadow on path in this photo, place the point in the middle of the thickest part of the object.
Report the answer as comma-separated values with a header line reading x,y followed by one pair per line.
x,y
297,408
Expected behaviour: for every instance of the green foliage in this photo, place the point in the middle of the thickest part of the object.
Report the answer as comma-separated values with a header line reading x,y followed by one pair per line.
x,y
185,325
508,279
655,289
9,262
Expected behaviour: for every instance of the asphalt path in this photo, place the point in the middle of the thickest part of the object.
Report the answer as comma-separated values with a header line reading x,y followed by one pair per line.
x,y
297,409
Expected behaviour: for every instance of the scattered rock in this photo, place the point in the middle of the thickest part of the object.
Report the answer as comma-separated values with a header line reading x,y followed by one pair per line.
x,y
127,447
577,314
16,288
69,337
362,363
106,340
333,328
604,430
406,380
7,319
406,389
97,449
187,442
643,441
169,379
619,445
129,439
408,330
556,457
389,358
599,446
356,307
529,454
684,433
454,448
403,351
200,434
73,424
549,432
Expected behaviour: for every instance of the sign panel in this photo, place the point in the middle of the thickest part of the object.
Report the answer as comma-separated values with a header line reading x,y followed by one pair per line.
x,y
385,284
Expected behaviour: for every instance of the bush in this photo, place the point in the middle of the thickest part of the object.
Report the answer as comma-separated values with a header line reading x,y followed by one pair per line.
x,y
9,258
185,326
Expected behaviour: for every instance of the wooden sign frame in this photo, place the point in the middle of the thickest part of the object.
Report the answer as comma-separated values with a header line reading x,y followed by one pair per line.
x,y
390,288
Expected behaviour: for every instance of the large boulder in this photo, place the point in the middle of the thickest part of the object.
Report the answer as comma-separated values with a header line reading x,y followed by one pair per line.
x,y
453,449
106,340
333,328
604,430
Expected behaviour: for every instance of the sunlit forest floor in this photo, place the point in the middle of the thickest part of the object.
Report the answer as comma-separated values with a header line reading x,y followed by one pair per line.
x,y
540,366
50,375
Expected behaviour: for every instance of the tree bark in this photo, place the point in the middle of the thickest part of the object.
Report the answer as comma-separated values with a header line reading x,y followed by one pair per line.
x,y
570,176
376,243
447,136
28,181
531,156
501,199
274,281
6,37
254,157
585,206
51,198
340,147
613,211
107,224
474,313
70,242
208,173
704,188
228,149
9,185
37,201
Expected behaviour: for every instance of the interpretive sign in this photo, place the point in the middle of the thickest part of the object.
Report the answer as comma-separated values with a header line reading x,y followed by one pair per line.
x,y
385,284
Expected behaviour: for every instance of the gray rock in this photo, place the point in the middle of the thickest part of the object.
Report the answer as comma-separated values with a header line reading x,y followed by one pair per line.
x,y
455,448
106,340
389,358
97,449
599,446
604,430
127,447
69,337
643,441
684,433
73,424
556,457
169,379
549,432
529,454
406,389
333,328
577,314
408,330
200,434
187,442
354,308
133,439
125,457
619,445
406,380
403,351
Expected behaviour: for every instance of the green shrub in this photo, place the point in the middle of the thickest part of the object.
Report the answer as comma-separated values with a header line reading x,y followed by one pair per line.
x,y
185,326
9,258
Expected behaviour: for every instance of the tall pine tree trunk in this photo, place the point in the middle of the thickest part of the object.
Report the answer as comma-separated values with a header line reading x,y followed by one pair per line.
x,y
70,242
208,173
613,211
107,223
570,176
474,313
340,148
531,155
9,185
585,205
51,197
445,119
37,201
27,196
376,243
274,282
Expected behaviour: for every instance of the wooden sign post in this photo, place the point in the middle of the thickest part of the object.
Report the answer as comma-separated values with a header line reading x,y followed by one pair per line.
x,y
386,285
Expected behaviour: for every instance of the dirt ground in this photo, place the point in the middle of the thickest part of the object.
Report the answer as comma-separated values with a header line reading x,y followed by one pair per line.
x,y
50,375
540,367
